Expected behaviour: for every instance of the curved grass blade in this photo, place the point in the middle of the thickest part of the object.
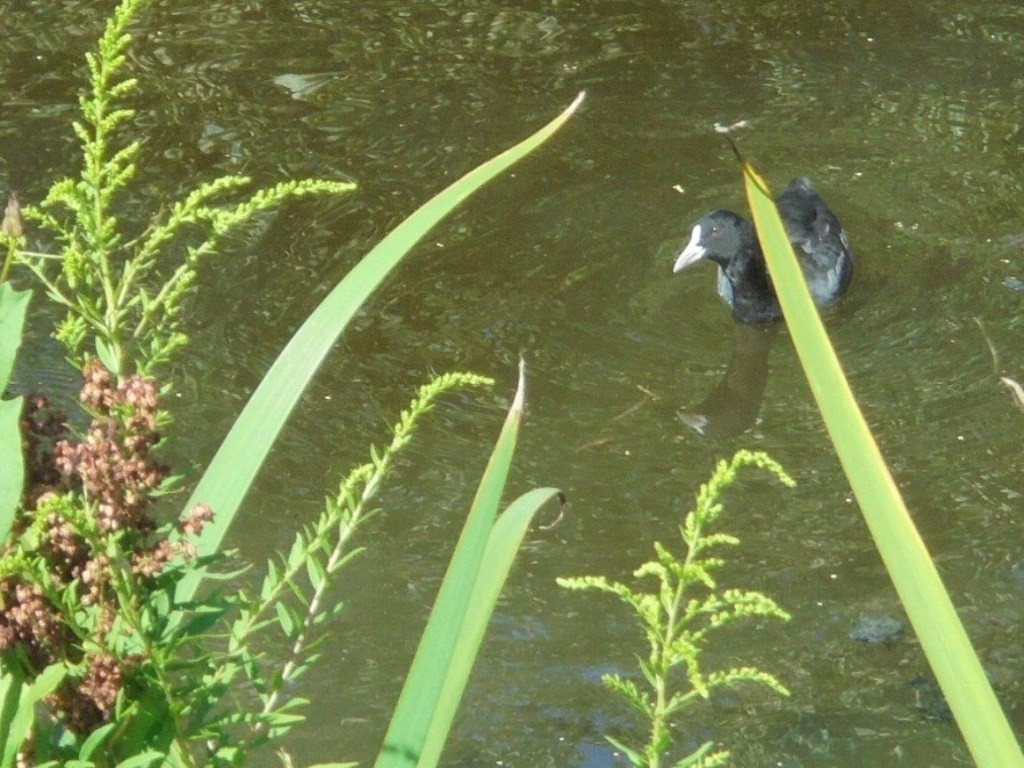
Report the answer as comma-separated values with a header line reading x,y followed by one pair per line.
x,y
19,704
226,481
13,305
502,546
931,612
456,625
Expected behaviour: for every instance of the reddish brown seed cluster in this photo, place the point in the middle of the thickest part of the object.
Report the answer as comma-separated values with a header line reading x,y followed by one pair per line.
x,y
112,475
41,427
90,702
112,463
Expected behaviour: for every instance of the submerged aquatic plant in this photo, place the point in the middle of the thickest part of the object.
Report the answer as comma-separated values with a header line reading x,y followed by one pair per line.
x,y
678,615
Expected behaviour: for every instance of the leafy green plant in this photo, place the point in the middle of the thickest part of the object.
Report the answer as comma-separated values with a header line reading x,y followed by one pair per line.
x,y
931,612
678,615
107,657
99,647
293,600
106,280
458,621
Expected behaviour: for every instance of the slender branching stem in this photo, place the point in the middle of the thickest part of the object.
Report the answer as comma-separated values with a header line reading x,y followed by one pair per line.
x,y
676,621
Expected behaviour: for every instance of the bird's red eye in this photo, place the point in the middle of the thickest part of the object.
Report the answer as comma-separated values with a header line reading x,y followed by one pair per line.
x,y
716,231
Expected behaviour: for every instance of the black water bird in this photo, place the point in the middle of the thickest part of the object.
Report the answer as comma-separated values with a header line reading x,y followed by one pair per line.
x,y
729,240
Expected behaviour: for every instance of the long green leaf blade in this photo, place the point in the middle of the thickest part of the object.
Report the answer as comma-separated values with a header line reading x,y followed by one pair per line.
x,y
931,612
13,305
12,681
22,719
226,481
502,546
414,712
12,463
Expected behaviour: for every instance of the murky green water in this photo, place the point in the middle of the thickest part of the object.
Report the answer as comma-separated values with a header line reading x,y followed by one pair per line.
x,y
908,119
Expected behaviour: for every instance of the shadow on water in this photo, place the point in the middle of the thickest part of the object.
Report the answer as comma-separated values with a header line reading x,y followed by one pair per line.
x,y
732,406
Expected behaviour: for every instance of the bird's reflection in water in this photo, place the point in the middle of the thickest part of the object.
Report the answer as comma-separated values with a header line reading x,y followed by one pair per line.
x,y
733,405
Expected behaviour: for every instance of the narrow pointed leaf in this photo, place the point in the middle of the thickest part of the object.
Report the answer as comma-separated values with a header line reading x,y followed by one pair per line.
x,y
12,682
931,612
13,305
286,619
12,463
414,713
233,468
95,740
23,716
502,546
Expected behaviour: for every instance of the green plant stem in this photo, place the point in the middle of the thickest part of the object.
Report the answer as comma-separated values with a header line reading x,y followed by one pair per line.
x,y
127,589
12,251
344,515
346,528
677,628
659,720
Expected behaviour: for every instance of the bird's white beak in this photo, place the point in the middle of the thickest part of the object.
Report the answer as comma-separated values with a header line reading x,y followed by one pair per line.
x,y
692,253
